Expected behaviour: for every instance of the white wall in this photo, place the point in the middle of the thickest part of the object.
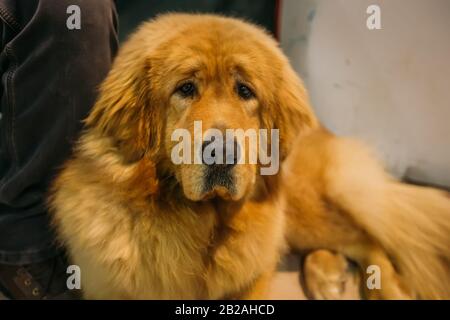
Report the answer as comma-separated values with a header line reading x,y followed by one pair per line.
x,y
390,87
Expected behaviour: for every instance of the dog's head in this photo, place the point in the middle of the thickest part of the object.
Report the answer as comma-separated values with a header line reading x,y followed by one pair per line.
x,y
191,93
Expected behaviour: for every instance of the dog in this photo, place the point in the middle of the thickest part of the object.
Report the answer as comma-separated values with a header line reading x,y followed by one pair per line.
x,y
141,226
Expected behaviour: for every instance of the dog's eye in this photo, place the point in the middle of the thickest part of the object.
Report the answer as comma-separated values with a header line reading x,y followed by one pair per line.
x,y
244,92
187,89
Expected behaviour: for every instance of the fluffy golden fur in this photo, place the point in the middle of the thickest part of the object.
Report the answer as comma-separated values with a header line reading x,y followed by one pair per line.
x,y
140,227
340,198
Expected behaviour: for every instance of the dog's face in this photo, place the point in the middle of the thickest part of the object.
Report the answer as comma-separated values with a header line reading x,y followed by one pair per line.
x,y
210,95
212,82
173,97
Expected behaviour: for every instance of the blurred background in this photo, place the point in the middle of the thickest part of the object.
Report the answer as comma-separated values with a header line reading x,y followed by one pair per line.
x,y
131,13
388,87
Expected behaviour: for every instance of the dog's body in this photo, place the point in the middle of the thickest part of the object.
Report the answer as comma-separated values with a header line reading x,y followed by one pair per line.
x,y
167,251
170,249
141,227
340,199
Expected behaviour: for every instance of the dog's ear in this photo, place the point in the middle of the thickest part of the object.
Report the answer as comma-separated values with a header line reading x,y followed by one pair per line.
x,y
126,111
288,109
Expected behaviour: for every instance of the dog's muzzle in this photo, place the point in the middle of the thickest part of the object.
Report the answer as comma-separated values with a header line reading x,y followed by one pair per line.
x,y
219,158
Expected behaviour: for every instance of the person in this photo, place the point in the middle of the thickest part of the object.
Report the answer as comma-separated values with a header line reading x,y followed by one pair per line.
x,y
49,76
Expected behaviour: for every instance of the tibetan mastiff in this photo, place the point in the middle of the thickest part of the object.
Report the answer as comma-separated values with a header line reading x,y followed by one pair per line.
x,y
143,226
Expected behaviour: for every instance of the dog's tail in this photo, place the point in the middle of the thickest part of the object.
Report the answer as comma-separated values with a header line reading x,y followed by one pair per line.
x,y
411,223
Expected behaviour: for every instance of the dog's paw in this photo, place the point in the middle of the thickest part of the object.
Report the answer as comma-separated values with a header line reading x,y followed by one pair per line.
x,y
326,275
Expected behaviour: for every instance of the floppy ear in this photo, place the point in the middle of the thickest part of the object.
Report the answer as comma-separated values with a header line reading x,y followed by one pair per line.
x,y
126,111
289,110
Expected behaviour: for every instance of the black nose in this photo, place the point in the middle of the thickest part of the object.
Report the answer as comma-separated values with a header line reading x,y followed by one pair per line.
x,y
220,153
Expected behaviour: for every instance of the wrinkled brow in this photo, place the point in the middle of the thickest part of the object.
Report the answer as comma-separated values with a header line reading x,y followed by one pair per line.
x,y
188,68
244,66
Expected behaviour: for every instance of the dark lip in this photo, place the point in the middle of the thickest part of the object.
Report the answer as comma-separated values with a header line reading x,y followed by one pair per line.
x,y
219,181
218,192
